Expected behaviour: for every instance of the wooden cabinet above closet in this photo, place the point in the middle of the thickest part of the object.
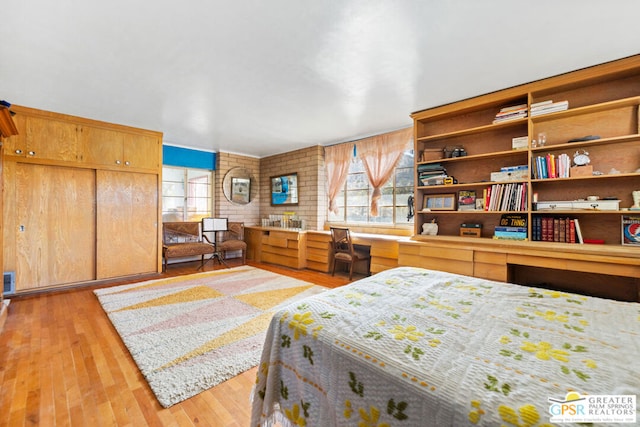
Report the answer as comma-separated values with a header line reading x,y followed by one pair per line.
x,y
54,138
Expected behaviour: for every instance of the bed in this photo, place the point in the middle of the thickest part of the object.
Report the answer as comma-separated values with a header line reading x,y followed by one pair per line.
x,y
416,347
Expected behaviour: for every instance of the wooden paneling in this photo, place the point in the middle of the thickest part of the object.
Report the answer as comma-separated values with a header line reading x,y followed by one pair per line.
x,y
55,229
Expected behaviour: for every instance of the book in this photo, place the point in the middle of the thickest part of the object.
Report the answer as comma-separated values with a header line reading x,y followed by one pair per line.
x,y
548,107
510,233
579,238
630,230
513,220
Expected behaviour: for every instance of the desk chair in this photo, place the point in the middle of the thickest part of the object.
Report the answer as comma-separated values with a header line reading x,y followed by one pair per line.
x,y
344,252
214,225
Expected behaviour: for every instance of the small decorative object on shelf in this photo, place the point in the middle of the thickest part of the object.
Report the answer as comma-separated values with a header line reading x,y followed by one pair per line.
x,y
520,143
439,202
470,230
430,228
631,230
466,200
636,200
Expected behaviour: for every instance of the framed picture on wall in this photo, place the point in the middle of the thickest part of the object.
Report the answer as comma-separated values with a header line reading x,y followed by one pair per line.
x,y
240,190
284,189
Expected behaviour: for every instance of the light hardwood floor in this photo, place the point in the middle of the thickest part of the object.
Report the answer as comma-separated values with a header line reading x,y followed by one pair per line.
x,y
63,364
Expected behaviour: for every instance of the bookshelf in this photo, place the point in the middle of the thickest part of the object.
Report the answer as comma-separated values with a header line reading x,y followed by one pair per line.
x,y
602,100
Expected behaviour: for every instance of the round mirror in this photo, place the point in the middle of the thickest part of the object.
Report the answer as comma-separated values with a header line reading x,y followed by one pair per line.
x,y
237,186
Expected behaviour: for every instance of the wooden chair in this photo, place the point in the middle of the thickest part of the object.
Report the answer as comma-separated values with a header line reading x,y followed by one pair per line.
x,y
233,240
344,252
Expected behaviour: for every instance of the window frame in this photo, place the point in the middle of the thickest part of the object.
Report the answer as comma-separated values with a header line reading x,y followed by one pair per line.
x,y
190,191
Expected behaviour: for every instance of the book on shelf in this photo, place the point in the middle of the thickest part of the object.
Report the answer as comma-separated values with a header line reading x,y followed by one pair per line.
x,y
630,230
546,107
556,229
551,166
511,227
431,174
510,233
506,197
512,112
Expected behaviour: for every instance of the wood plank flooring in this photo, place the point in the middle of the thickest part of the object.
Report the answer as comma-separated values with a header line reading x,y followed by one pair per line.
x,y
63,364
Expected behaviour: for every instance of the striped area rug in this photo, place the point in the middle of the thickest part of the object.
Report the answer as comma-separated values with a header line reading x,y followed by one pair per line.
x,y
189,333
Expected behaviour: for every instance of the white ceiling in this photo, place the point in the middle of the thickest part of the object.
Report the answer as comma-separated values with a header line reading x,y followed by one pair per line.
x,y
265,77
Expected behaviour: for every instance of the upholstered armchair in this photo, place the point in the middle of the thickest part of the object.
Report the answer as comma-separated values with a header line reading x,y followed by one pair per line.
x,y
184,239
232,240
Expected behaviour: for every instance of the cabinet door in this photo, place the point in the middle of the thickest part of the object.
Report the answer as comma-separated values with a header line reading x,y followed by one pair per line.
x,y
55,212
121,149
102,146
127,223
44,138
142,151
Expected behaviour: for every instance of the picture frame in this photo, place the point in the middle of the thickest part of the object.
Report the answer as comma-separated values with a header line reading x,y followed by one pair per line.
x,y
466,200
439,202
284,189
240,190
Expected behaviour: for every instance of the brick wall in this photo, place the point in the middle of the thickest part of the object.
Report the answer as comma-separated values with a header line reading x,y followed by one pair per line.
x,y
312,197
227,164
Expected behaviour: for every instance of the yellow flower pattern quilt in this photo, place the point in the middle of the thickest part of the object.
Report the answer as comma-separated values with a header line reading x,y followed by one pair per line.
x,y
416,347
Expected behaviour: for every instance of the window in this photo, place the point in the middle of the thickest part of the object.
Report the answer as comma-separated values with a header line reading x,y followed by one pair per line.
x,y
354,200
186,194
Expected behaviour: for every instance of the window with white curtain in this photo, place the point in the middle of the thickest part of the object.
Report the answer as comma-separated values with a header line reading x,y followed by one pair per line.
x,y
186,194
354,201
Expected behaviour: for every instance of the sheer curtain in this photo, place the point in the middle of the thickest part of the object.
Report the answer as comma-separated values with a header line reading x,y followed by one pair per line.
x,y
380,155
337,159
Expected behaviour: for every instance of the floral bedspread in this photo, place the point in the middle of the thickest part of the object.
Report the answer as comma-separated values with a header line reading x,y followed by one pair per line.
x,y
415,347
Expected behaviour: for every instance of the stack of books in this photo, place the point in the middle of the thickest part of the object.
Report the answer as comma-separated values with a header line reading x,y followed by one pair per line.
x,y
551,166
511,227
513,112
546,107
431,174
556,229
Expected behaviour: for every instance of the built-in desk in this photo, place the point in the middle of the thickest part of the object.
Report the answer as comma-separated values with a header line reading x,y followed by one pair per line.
x,y
281,246
384,250
605,271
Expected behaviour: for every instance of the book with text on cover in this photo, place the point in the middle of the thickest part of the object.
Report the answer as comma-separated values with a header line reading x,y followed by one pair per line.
x,y
631,230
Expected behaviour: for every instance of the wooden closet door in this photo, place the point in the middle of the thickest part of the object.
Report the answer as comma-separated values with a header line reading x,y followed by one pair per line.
x,y
55,236
127,227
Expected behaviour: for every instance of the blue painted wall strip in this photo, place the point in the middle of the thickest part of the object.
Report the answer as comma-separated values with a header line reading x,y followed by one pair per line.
x,y
188,158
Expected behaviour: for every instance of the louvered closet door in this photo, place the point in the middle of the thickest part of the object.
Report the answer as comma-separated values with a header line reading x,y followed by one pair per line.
x,y
55,235
127,213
